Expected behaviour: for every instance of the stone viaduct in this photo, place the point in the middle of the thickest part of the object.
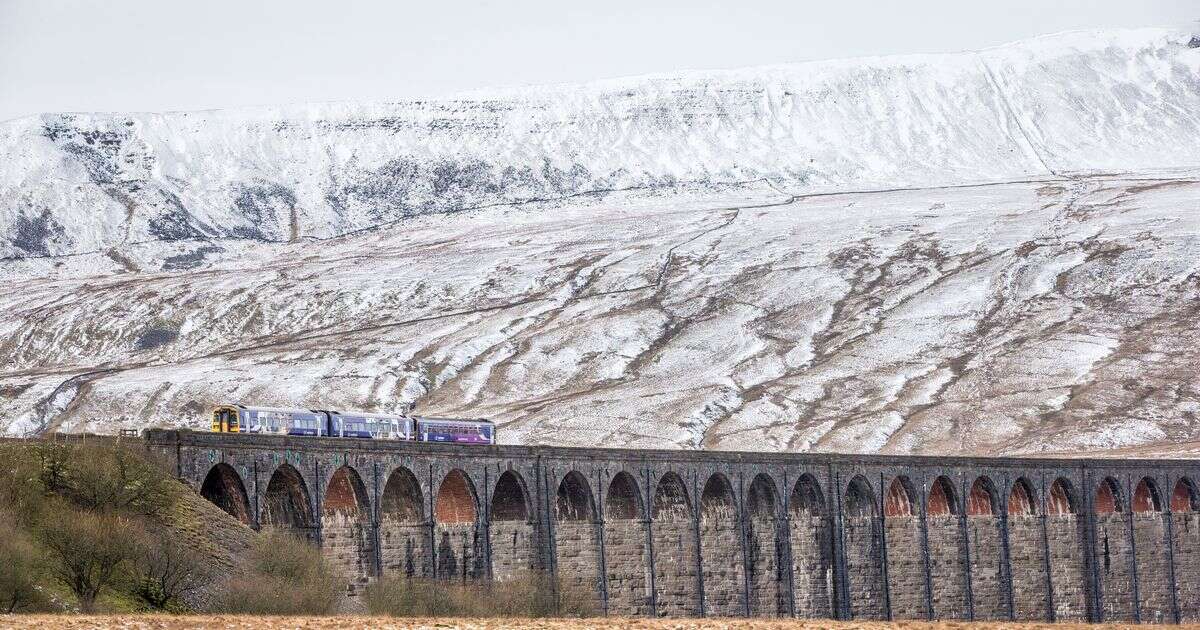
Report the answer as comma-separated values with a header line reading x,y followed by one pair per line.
x,y
696,533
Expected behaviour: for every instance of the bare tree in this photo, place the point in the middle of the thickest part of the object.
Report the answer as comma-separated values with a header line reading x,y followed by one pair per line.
x,y
88,551
168,570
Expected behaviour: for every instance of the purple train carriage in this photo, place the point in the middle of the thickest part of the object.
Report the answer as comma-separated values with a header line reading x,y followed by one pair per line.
x,y
323,423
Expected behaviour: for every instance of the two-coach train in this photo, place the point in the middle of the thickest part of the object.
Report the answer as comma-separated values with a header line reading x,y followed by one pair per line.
x,y
323,423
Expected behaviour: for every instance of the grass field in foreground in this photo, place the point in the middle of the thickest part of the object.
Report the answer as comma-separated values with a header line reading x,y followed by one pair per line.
x,y
188,622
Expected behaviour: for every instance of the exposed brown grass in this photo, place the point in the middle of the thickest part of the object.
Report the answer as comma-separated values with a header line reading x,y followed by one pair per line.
x,y
162,622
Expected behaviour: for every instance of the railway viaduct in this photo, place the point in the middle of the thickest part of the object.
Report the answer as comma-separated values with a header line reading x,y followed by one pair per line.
x,y
696,533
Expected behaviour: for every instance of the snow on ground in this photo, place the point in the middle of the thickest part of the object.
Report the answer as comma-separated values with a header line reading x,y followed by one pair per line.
x,y
985,252
1021,317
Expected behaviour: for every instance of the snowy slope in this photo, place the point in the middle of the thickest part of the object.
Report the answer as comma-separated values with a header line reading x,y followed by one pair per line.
x,y
1078,102
991,252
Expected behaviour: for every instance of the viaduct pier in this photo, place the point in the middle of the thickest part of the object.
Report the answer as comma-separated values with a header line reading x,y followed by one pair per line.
x,y
711,533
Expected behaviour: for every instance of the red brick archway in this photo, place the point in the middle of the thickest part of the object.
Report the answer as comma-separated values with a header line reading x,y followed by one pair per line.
x,y
455,499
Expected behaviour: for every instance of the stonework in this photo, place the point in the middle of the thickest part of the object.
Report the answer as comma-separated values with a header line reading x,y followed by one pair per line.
x,y
864,569
675,567
906,569
577,559
1028,561
1077,549
988,596
724,570
812,568
946,569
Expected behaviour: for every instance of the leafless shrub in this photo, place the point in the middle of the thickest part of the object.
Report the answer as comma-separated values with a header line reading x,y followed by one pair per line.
x,y
167,570
284,576
88,551
531,594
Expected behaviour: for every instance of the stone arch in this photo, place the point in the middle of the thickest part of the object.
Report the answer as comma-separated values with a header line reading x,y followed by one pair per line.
x,y
1026,552
1108,497
1146,497
345,525
812,550
806,498
1064,532
674,548
864,555
510,500
721,549
671,499
287,503
1185,525
623,500
982,499
903,534
576,541
402,499
763,499
765,552
716,501
510,528
346,494
1061,501
985,558
860,499
456,499
1150,555
941,500
403,534
457,549
224,488
946,572
574,499
625,548
1021,500
900,498
1184,496
1111,543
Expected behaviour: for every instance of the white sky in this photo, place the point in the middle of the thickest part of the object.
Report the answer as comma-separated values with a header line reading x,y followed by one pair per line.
x,y
153,55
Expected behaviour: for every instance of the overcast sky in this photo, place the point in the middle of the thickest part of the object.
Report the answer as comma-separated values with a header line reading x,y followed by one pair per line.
x,y
154,55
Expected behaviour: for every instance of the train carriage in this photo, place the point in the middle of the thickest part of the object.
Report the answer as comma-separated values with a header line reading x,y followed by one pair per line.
x,y
317,422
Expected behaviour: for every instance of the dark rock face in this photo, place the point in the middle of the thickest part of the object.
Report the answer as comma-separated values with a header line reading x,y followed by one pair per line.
x,y
36,235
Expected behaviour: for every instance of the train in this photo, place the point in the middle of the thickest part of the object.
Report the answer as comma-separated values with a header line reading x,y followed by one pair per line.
x,y
235,418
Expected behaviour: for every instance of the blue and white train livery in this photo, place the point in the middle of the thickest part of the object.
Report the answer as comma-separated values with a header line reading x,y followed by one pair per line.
x,y
374,426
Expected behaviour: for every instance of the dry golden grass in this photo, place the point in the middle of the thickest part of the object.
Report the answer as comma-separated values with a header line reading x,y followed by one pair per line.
x,y
235,622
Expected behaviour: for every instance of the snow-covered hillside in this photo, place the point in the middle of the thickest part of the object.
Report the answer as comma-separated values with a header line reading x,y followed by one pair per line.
x,y
994,252
1079,102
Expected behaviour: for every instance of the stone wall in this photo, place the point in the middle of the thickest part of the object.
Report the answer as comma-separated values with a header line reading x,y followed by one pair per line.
x,y
577,557
1186,530
1028,561
946,570
458,554
812,569
347,545
863,569
1067,573
512,549
1113,568
404,548
768,589
989,597
675,566
906,569
628,564
1153,571
724,571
